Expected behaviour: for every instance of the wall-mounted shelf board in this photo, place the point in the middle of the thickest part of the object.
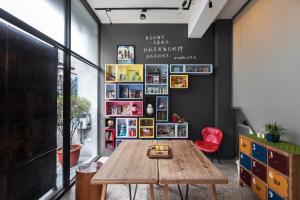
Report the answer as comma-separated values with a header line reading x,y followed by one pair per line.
x,y
192,69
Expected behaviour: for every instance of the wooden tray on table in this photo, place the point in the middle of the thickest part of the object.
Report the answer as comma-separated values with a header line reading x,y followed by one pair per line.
x,y
159,151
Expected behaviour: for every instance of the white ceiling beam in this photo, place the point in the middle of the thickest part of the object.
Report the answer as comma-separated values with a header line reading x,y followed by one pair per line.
x,y
202,17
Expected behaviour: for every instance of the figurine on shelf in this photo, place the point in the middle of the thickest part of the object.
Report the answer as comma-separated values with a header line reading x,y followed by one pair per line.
x,y
161,105
134,109
132,132
122,130
150,109
146,132
110,123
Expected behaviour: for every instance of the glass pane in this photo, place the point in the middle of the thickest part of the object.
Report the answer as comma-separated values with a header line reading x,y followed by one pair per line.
x,y
84,102
84,32
46,16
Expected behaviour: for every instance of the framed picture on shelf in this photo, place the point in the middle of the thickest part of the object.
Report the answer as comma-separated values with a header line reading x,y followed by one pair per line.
x,y
126,54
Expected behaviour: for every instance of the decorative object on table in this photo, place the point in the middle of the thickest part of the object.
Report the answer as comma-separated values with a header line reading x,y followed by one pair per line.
x,y
159,151
212,138
274,131
79,106
126,54
179,81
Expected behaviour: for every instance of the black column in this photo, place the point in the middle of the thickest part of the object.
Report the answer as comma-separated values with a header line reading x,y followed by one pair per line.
x,y
223,86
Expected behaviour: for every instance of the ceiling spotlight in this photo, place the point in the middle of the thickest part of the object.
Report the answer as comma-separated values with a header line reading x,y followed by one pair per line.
x,y
183,3
143,16
210,4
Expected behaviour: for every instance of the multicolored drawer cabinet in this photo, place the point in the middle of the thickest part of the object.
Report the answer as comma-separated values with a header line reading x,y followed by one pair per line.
x,y
272,170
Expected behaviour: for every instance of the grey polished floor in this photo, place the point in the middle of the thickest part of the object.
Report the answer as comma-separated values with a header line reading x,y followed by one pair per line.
x,y
231,191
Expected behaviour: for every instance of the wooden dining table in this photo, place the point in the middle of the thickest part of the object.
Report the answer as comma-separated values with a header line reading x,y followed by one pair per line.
x,y
129,164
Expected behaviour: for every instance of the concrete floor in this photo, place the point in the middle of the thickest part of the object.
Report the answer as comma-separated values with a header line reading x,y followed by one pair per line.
x,y
231,191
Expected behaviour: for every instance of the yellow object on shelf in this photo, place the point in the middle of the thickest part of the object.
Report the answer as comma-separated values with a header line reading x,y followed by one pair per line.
x,y
179,81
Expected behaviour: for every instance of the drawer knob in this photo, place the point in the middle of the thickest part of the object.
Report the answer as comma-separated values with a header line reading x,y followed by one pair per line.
x,y
244,145
276,162
276,182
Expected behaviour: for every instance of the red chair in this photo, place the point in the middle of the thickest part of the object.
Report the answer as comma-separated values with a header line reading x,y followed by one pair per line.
x,y
212,138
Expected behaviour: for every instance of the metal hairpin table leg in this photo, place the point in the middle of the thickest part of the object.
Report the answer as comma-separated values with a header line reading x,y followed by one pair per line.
x,y
180,191
129,186
135,191
187,191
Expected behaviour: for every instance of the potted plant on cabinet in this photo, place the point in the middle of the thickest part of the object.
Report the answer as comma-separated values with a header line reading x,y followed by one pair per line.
x,y
79,105
274,131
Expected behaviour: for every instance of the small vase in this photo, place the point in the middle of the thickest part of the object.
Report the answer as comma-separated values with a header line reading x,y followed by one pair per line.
x,y
275,138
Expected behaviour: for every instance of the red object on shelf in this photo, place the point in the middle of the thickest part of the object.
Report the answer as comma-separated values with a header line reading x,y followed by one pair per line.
x,y
110,139
212,138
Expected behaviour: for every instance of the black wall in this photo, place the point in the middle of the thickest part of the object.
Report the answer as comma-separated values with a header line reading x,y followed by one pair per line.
x,y
197,103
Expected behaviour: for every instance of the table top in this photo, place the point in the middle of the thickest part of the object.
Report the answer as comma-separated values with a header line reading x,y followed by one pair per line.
x,y
130,164
188,166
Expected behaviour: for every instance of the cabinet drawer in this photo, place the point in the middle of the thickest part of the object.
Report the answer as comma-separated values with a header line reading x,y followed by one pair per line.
x,y
259,152
245,145
259,188
245,161
278,162
245,176
278,183
273,196
259,170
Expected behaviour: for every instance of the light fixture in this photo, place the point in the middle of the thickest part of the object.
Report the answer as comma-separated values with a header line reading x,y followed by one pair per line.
x,y
143,15
210,4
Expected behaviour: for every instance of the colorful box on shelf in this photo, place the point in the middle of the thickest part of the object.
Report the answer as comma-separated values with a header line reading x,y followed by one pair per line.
x,y
196,69
272,170
146,128
130,91
123,108
124,73
157,77
110,91
162,108
172,130
109,140
126,128
179,81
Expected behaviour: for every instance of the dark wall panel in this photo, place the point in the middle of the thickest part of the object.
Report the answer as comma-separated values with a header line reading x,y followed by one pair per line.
x,y
195,104
28,115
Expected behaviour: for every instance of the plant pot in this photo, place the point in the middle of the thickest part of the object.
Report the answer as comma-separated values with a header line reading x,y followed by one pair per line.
x,y
275,138
269,137
74,154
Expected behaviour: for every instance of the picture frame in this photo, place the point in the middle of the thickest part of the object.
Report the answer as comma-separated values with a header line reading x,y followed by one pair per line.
x,y
125,54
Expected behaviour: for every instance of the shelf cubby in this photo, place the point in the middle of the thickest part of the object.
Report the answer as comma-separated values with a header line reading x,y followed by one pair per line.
x,y
172,130
179,81
162,108
156,81
124,73
126,128
196,69
110,91
130,91
146,128
123,108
